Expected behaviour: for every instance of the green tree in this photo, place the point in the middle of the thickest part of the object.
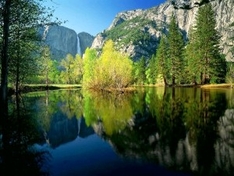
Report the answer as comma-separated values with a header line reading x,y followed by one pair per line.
x,y
4,57
67,69
151,71
212,67
192,61
162,63
230,66
112,69
72,69
89,63
19,20
176,45
78,68
139,71
48,68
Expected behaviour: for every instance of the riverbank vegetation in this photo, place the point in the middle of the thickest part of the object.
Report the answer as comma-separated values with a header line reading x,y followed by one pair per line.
x,y
176,62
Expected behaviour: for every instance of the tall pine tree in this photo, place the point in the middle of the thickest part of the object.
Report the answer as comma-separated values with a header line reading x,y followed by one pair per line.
x,y
211,65
162,64
176,44
192,62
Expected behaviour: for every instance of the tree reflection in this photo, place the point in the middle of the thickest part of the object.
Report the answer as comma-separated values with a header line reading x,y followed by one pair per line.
x,y
107,113
59,113
18,154
178,128
183,129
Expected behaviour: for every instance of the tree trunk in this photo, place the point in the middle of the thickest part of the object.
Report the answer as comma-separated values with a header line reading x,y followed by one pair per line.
x,y
4,59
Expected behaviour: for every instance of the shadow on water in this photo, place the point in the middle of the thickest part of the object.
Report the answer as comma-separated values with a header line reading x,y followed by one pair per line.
x,y
172,131
19,133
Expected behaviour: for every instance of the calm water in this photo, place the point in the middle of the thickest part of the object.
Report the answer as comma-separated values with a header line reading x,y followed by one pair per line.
x,y
153,131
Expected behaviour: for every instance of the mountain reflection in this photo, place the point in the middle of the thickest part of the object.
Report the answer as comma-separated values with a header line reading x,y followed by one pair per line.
x,y
183,129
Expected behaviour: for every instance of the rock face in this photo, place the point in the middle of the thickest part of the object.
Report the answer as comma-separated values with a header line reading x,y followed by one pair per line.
x,y
148,25
63,41
86,40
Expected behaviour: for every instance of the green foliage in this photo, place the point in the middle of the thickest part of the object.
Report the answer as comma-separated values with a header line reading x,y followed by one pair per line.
x,y
139,71
48,72
89,60
114,111
208,59
162,62
111,70
151,71
23,43
230,72
72,69
176,45
131,31
192,61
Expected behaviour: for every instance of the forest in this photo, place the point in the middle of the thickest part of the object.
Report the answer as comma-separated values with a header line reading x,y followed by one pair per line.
x,y
25,59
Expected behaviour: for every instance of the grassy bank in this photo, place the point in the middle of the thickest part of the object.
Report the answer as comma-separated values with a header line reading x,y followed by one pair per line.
x,y
224,85
41,87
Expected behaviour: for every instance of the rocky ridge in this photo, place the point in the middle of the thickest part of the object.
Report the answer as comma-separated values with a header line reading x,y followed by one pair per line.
x,y
149,25
63,41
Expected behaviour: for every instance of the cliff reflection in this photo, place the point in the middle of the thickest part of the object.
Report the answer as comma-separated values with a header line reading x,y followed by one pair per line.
x,y
181,129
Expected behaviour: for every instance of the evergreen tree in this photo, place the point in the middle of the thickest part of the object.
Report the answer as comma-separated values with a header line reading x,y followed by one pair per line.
x,y
162,64
48,68
151,71
176,44
192,62
139,71
211,64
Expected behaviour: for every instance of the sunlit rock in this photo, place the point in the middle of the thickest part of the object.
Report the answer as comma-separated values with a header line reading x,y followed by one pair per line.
x,y
158,19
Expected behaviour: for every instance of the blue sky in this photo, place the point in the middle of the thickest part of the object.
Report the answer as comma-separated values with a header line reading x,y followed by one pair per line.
x,y
93,16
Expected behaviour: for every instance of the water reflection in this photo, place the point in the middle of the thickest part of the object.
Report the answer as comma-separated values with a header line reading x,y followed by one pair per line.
x,y
177,128
19,134
183,129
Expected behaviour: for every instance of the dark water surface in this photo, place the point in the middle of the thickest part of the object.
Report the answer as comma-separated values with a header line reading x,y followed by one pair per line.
x,y
152,131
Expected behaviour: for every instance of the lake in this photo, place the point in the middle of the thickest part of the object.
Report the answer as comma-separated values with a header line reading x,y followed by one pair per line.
x,y
150,131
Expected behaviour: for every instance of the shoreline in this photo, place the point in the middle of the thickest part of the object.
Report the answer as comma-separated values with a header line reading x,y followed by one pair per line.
x,y
43,87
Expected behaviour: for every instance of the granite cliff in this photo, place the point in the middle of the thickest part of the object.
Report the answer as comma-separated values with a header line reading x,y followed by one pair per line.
x,y
137,32
63,41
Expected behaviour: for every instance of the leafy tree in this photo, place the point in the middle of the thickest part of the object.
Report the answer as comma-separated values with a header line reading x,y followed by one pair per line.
x,y
72,69
211,64
79,68
139,71
89,63
19,20
48,68
4,57
176,44
162,63
151,71
114,69
111,70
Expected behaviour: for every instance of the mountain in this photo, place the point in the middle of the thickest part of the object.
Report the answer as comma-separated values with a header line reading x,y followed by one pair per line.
x,y
138,32
86,40
63,41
